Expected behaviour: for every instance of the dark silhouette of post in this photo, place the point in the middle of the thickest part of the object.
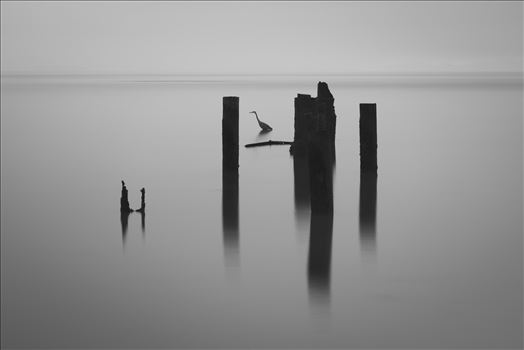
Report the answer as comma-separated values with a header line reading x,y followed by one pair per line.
x,y
314,150
368,137
230,178
124,200
230,132
142,200
304,112
321,158
368,176
321,175
304,109
326,112
312,114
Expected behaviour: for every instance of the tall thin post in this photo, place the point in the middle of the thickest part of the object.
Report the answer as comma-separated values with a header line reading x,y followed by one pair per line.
x,y
368,137
230,179
230,132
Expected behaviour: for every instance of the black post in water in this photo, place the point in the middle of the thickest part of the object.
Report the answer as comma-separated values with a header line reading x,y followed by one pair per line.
x,y
230,179
305,108
230,132
321,175
368,137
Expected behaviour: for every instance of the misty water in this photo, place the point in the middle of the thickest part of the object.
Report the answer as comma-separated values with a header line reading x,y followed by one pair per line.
x,y
443,268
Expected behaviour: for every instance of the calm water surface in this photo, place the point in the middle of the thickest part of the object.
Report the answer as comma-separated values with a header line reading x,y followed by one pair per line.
x,y
443,268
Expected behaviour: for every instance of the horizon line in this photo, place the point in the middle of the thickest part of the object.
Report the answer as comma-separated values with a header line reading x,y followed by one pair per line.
x,y
332,74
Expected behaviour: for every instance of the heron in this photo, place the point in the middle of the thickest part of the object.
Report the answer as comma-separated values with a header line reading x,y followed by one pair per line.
x,y
262,125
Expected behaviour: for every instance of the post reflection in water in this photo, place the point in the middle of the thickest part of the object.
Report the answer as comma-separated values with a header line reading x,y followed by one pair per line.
x,y
301,191
124,219
368,211
230,120
321,163
230,217
143,222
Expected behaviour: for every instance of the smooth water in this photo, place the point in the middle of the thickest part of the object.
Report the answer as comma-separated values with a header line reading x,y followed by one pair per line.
x,y
444,267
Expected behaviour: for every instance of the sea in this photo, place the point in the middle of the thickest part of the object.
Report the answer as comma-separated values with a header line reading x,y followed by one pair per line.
x,y
438,264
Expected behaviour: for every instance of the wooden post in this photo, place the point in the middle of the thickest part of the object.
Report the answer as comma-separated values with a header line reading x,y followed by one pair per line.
x,y
230,132
314,115
315,125
326,109
321,175
368,137
304,111
230,179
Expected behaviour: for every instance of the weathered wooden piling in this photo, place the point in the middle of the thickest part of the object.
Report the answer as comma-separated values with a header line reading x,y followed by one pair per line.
x,y
314,142
368,137
142,208
230,132
320,175
326,111
313,161
230,177
314,115
304,111
124,200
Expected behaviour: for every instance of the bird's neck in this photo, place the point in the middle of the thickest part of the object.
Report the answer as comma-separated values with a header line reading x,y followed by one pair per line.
x,y
256,116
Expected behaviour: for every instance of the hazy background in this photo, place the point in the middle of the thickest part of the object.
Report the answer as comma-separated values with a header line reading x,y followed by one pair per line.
x,y
260,37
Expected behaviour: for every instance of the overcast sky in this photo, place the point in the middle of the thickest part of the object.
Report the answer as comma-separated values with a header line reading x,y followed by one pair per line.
x,y
260,37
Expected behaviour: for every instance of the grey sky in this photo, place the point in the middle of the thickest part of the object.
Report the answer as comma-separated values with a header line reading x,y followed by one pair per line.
x,y
260,37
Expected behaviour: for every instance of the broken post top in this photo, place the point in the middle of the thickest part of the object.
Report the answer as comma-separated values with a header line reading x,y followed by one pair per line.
x,y
323,92
314,117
